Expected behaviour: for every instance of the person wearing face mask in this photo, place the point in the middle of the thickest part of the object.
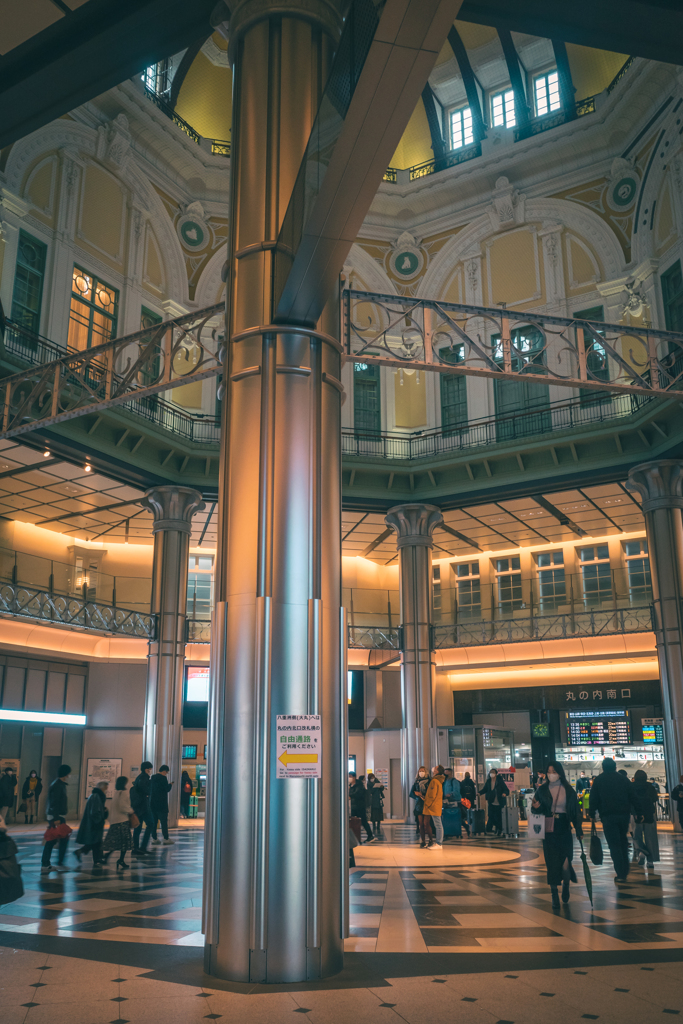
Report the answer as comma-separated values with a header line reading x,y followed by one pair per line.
x,y
31,790
494,791
418,793
56,812
558,802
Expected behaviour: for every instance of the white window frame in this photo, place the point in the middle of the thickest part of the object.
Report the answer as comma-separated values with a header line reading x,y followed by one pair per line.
x,y
466,127
507,117
551,97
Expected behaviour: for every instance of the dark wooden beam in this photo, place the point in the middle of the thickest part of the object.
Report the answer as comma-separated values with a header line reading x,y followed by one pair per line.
x,y
434,120
564,74
516,78
469,81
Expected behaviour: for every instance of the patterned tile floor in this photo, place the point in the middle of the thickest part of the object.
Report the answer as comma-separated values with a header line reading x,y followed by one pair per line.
x,y
464,934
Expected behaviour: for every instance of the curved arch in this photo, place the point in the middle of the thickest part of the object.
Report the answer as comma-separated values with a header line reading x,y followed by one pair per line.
x,y
374,276
575,218
210,284
80,142
642,238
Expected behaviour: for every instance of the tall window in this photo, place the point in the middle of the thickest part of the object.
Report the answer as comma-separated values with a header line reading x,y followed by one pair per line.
x,y
453,392
596,358
552,586
366,402
547,92
503,109
27,296
637,561
468,590
92,319
462,132
672,295
200,587
596,575
509,585
436,592
158,77
521,396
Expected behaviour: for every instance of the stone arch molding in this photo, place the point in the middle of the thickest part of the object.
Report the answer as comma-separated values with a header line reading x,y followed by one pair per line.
x,y
210,283
374,276
642,240
80,143
549,212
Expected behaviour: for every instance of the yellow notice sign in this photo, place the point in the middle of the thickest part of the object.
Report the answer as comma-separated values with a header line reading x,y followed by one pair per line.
x,y
298,746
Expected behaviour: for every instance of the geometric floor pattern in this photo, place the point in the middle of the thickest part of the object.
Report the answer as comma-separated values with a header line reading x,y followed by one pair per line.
x,y
431,941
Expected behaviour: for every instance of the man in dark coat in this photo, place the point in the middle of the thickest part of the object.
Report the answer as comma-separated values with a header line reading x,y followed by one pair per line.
x,y
159,789
11,886
139,799
8,783
358,795
91,830
612,797
56,812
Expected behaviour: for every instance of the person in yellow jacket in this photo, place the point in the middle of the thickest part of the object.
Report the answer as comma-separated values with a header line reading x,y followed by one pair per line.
x,y
434,804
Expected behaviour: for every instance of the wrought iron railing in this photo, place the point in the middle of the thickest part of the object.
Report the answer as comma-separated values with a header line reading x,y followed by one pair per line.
x,y
198,631
494,429
218,146
378,638
40,605
440,163
598,622
23,344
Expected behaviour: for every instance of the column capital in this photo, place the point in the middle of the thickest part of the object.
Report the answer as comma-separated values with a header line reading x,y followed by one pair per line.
x,y
414,524
173,507
244,14
660,484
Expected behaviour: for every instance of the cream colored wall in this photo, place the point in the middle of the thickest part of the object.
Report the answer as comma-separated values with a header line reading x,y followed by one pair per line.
x,y
592,70
205,99
362,573
416,144
117,560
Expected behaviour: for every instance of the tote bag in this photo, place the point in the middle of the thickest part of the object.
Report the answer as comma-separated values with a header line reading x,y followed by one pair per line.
x,y
536,826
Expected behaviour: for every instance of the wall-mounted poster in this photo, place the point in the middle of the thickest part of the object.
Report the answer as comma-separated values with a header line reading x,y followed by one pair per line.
x,y
103,769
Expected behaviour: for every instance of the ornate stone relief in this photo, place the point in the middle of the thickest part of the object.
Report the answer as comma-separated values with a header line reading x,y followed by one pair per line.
x,y
406,259
114,141
507,205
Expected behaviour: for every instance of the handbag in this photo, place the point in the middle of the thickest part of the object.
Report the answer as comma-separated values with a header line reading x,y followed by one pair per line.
x,y
466,803
595,851
133,820
537,825
59,831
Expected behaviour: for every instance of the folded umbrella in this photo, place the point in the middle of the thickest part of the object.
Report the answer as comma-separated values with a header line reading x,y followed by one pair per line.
x,y
586,872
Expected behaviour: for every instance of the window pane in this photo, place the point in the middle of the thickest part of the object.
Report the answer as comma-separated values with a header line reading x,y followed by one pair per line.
x,y
79,325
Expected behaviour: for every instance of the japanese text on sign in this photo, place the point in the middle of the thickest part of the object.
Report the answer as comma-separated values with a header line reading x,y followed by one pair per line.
x,y
298,746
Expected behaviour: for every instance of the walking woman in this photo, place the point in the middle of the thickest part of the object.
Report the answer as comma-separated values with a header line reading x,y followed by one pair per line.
x,y
31,790
645,841
91,828
376,791
494,791
418,793
119,835
558,802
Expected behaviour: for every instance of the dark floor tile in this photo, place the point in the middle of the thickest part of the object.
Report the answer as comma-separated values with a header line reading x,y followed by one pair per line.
x,y
364,933
589,1016
469,936
365,908
640,932
671,1011
468,999
438,981
389,1006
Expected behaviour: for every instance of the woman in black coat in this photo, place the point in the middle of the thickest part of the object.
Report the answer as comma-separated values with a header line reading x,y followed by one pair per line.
x,y
376,791
559,804
31,790
645,841
494,790
91,829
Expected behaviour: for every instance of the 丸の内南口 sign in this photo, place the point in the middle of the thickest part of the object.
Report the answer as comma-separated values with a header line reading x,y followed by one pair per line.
x,y
298,746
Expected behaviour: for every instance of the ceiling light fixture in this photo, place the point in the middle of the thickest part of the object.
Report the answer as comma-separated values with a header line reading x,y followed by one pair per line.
x,y
88,468
46,454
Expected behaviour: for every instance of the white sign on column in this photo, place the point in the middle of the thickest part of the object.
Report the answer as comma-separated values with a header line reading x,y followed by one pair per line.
x,y
298,746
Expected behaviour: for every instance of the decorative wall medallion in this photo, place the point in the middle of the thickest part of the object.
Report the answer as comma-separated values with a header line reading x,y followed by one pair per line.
x,y
406,260
623,185
192,228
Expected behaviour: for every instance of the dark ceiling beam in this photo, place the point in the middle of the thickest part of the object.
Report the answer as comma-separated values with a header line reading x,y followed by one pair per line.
x,y
434,120
517,82
91,50
564,75
470,82
186,62
640,28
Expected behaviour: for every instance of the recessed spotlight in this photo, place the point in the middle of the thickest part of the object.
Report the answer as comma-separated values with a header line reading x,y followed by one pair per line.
x,y
46,454
87,468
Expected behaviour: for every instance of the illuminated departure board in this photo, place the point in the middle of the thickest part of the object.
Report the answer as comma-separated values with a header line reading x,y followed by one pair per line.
x,y
605,727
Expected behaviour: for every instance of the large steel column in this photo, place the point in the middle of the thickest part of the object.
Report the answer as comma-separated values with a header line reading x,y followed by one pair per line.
x,y
274,870
660,485
173,508
414,525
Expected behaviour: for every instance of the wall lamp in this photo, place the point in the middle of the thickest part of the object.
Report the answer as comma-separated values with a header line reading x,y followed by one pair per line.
x,y
43,717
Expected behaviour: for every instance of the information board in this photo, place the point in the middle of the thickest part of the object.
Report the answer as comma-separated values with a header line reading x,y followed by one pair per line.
x,y
653,730
299,746
604,727
103,769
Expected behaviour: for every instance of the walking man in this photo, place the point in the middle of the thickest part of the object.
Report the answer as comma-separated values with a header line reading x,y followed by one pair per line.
x,y
56,812
139,798
612,797
8,783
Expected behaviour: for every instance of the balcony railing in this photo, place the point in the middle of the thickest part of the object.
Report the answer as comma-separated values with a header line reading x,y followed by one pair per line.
x,y
563,626
198,631
494,429
17,599
376,638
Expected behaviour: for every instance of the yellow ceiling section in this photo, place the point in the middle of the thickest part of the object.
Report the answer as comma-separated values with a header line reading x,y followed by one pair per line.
x,y
592,70
416,145
475,35
205,99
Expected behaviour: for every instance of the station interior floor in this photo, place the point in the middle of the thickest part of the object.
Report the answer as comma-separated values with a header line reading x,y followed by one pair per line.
x,y
464,934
